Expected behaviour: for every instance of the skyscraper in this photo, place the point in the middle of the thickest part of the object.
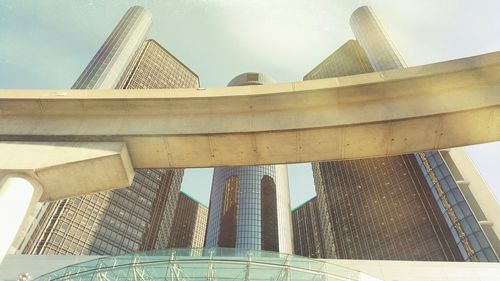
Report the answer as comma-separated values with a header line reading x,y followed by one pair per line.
x,y
250,206
129,219
349,59
380,209
110,61
405,207
470,237
307,233
156,68
189,224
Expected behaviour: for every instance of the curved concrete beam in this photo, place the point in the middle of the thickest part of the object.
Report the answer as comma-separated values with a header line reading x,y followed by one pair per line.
x,y
429,107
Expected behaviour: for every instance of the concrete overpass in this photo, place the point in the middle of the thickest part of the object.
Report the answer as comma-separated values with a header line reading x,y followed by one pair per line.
x,y
429,107
61,143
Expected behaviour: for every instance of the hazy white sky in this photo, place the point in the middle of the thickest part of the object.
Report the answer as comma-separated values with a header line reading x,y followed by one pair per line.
x,y
46,44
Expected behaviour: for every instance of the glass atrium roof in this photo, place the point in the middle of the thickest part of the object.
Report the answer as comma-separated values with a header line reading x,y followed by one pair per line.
x,y
205,264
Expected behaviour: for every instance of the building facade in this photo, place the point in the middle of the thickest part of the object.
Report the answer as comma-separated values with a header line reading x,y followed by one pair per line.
x,y
153,67
107,66
405,207
129,219
349,59
473,242
307,233
380,209
250,206
190,222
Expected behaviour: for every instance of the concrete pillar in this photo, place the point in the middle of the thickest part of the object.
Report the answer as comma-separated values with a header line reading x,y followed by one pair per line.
x,y
17,195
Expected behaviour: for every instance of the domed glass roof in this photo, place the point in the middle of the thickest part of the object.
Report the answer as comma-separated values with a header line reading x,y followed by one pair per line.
x,y
205,264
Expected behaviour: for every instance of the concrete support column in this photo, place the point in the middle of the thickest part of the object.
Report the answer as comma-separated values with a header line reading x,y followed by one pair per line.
x,y
17,195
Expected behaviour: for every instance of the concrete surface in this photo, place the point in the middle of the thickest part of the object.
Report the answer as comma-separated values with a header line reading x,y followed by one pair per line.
x,y
18,196
425,270
477,194
436,106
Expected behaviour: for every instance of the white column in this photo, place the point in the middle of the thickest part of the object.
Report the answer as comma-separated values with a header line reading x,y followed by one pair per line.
x,y
17,195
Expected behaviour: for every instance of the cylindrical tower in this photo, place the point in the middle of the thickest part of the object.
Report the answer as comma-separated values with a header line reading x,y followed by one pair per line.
x,y
371,35
106,68
250,206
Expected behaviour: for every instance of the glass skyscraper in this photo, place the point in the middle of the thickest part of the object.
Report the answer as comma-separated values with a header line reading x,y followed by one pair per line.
x,y
130,219
108,65
380,209
307,233
250,206
190,223
349,59
406,207
154,67
473,244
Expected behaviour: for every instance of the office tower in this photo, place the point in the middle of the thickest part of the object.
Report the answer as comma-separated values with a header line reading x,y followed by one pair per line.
x,y
107,66
103,72
474,243
190,222
371,35
465,200
405,207
154,67
128,219
340,63
381,209
307,238
250,206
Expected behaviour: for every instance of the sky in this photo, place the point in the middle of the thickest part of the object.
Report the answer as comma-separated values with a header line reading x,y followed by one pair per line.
x,y
47,44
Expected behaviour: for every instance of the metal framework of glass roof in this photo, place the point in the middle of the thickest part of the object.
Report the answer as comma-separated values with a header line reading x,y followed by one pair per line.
x,y
205,264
